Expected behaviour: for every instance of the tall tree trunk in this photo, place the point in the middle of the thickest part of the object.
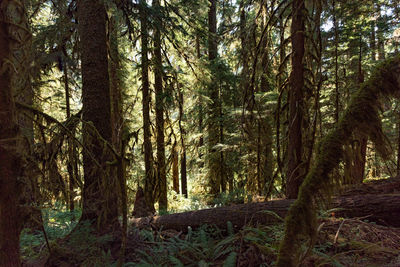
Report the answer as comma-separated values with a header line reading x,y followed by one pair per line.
x,y
158,86
183,145
184,174
398,144
295,173
373,42
264,142
71,154
337,93
360,146
117,122
11,164
175,168
99,192
23,93
150,183
380,33
282,91
214,158
200,104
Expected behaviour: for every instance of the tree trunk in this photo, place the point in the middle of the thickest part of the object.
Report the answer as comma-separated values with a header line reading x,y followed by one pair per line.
x,y
70,142
295,173
10,167
373,42
183,145
183,174
382,209
380,33
214,157
175,168
398,144
23,93
158,86
150,183
117,122
337,93
99,192
200,105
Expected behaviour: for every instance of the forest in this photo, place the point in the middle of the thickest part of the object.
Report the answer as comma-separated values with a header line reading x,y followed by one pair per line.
x,y
199,133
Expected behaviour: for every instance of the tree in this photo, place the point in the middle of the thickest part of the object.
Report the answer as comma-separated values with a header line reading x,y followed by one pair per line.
x,y
158,86
362,115
150,183
99,192
215,161
13,34
294,173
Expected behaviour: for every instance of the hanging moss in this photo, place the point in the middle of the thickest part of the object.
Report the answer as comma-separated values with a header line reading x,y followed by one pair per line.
x,y
362,115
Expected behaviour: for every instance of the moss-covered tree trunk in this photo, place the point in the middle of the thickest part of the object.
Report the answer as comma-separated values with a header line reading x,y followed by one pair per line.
x,y
295,167
23,93
214,158
158,86
11,163
362,115
150,183
99,192
118,125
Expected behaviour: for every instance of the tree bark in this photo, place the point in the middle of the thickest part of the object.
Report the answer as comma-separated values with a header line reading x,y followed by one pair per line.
x,y
214,157
175,168
295,173
337,93
383,209
9,134
158,86
398,144
150,182
70,142
99,193
183,145
118,125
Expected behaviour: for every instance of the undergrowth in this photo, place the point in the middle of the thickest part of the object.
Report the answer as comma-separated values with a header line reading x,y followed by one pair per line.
x,y
210,246
57,223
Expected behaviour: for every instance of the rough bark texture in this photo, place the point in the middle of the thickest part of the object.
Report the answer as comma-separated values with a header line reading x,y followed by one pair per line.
x,y
294,174
383,209
158,86
150,184
215,174
117,122
99,192
175,169
9,155
183,146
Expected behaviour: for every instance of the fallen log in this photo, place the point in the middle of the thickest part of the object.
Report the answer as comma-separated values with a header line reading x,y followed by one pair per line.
x,y
382,209
382,186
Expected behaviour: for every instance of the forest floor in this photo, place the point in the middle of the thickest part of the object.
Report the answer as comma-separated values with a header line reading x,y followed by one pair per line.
x,y
340,242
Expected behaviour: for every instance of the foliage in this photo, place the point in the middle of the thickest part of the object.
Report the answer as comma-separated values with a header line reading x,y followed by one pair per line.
x,y
209,246
362,114
57,223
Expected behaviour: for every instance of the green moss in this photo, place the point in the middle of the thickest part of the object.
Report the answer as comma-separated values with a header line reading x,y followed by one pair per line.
x,y
363,116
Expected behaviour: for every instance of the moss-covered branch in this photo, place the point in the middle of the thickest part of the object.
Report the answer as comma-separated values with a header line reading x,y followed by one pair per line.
x,y
363,115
